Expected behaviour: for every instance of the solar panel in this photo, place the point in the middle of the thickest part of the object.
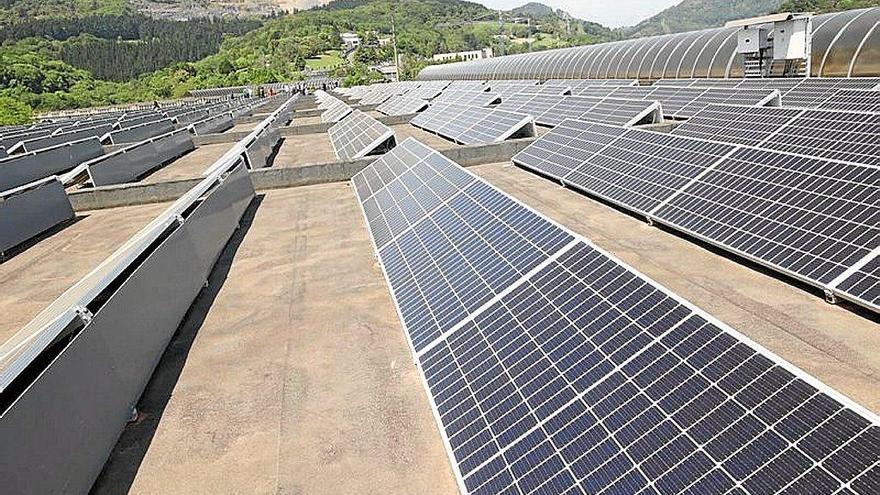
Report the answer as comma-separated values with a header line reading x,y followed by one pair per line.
x,y
855,100
803,216
583,83
814,90
402,105
472,125
736,124
467,85
594,91
839,135
684,102
377,97
544,89
809,218
464,97
699,83
553,367
359,135
503,86
861,283
553,110
634,168
336,112
428,93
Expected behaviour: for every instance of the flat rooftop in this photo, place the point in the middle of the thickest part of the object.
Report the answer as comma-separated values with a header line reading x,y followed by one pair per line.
x,y
291,372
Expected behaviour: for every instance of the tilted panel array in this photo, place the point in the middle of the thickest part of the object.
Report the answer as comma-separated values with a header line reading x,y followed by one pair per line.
x,y
402,105
861,283
838,135
736,124
813,219
855,100
812,92
543,89
796,92
469,85
474,125
559,369
508,86
685,102
553,110
467,97
359,135
699,83
428,93
585,83
333,108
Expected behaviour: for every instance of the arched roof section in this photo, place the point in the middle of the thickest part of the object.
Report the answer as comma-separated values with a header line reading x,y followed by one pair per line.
x,y
843,43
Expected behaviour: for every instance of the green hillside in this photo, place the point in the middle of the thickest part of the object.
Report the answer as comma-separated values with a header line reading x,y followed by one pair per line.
x,y
12,11
692,15
49,64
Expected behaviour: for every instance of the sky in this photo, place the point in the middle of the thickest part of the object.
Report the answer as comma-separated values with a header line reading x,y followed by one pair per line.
x,y
612,13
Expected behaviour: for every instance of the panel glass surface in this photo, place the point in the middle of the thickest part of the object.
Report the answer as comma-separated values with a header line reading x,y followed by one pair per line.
x,y
579,375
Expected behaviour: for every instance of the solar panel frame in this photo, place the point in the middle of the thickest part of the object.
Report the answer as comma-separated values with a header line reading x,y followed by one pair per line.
x,y
809,218
796,241
582,83
464,97
424,93
834,134
860,283
529,453
402,105
473,125
853,100
553,110
358,135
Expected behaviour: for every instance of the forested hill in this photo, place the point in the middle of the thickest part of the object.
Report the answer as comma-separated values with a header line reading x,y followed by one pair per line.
x,y
692,15
12,11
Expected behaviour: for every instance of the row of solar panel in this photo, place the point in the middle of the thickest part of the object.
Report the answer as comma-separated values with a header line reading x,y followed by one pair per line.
x,y
553,367
474,125
840,135
796,92
358,135
812,218
333,109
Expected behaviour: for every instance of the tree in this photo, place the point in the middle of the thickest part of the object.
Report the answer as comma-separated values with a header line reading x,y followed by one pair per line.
x,y
13,111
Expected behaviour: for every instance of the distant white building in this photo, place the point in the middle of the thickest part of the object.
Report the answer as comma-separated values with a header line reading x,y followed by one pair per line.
x,y
465,56
350,40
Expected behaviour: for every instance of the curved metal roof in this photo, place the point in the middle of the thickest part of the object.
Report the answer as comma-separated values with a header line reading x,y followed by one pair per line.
x,y
844,44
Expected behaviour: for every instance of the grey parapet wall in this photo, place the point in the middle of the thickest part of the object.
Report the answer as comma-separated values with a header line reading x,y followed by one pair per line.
x,y
139,132
212,125
36,144
135,121
130,163
30,210
21,169
65,402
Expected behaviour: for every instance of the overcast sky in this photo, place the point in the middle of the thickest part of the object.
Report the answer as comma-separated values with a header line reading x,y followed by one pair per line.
x,y
612,13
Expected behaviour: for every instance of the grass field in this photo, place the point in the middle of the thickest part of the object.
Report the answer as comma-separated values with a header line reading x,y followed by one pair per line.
x,y
326,61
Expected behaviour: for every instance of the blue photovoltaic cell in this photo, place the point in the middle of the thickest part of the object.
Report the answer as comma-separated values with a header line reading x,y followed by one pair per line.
x,y
864,284
807,217
434,213
568,372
